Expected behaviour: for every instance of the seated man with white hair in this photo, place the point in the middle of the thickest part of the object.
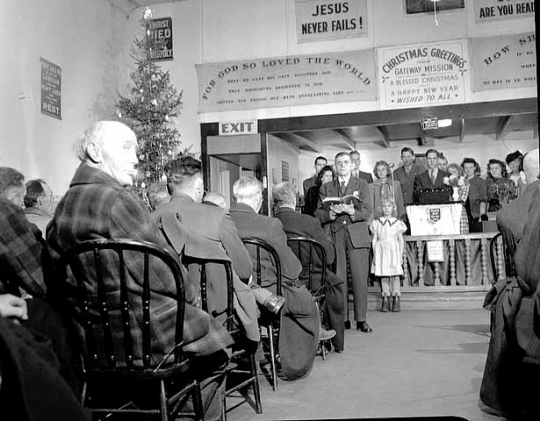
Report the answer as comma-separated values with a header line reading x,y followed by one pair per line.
x,y
299,331
98,206
215,199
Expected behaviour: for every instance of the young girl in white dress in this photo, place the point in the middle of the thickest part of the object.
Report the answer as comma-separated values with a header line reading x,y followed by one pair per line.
x,y
388,254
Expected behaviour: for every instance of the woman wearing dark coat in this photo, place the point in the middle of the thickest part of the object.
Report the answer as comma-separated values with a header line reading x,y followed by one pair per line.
x,y
325,175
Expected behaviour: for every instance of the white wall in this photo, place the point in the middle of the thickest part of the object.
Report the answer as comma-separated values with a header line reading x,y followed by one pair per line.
x,y
278,151
83,38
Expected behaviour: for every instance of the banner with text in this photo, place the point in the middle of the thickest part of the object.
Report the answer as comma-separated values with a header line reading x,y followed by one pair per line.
x,y
504,62
163,33
320,20
423,74
491,10
51,89
287,81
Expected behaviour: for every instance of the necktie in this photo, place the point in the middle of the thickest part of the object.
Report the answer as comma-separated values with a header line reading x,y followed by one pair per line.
x,y
433,178
342,188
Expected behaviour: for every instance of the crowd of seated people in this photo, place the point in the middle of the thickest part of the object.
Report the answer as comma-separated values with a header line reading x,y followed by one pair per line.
x,y
100,204
195,226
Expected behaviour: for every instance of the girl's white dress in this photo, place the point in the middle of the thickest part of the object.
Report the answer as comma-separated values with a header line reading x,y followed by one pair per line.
x,y
388,250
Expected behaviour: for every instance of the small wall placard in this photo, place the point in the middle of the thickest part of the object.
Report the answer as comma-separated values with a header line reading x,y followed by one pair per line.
x,y
51,89
435,251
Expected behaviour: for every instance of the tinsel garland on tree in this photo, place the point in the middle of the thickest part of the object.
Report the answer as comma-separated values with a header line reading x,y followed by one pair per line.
x,y
149,107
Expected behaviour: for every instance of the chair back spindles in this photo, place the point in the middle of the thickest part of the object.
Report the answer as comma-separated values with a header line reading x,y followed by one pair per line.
x,y
308,250
204,292
124,308
263,245
103,310
102,263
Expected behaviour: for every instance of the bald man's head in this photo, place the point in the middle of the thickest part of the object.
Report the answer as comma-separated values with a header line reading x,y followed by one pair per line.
x,y
531,165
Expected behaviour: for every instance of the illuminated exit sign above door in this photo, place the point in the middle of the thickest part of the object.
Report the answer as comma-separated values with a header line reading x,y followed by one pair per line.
x,y
233,128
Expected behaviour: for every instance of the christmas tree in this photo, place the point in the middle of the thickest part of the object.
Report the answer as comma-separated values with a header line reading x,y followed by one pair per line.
x,y
149,107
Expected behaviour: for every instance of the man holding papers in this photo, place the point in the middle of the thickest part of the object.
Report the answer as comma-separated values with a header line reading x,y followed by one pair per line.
x,y
347,218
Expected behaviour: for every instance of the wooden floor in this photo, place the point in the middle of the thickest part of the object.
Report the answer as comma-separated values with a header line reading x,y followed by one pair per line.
x,y
415,363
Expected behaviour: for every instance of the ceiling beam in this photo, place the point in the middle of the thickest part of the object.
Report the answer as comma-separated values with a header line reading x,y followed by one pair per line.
x,y
462,130
410,115
384,133
304,142
503,127
345,136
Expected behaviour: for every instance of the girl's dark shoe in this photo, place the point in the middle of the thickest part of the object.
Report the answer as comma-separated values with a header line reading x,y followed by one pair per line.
x,y
385,306
396,307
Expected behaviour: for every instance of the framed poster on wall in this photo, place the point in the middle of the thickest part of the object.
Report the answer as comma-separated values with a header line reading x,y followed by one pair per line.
x,y
427,6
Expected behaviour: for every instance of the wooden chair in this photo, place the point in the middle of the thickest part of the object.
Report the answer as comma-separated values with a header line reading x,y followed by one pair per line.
x,y
312,255
267,320
110,356
251,375
507,257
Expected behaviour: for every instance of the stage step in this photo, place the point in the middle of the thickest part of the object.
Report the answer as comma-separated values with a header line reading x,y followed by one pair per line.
x,y
431,299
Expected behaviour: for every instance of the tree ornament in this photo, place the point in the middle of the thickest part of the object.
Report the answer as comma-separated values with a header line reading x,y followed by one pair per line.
x,y
147,14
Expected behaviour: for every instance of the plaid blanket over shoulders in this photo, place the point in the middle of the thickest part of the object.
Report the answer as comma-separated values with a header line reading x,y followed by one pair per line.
x,y
96,206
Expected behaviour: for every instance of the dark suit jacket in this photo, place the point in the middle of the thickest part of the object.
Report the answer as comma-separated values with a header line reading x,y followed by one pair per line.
x,y
407,181
308,183
357,228
306,226
251,224
198,231
299,331
423,181
363,176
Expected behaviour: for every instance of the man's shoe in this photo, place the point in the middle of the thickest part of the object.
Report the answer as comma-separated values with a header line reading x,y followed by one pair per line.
x,y
347,324
385,306
396,307
364,327
274,303
326,335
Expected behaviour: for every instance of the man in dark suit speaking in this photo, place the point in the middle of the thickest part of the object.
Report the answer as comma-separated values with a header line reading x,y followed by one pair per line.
x,y
432,178
349,232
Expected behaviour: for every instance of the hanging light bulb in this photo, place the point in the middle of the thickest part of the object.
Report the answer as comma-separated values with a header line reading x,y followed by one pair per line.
x,y
435,11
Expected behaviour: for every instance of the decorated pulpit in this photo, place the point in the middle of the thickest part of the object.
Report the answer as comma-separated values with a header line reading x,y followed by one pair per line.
x,y
435,219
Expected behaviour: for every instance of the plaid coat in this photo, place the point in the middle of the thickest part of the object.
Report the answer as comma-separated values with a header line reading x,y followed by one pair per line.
x,y
20,251
96,206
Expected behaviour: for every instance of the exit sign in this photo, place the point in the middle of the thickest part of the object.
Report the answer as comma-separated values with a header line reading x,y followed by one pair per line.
x,y
430,123
233,128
